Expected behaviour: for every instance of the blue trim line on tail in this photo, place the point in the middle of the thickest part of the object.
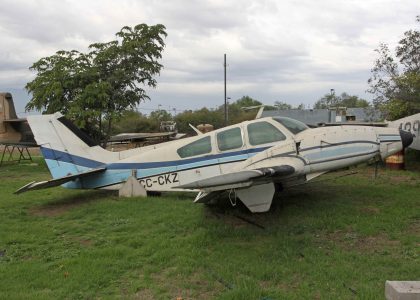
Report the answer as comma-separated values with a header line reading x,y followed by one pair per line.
x,y
69,158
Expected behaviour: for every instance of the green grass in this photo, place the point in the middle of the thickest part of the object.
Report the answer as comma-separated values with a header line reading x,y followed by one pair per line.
x,y
338,238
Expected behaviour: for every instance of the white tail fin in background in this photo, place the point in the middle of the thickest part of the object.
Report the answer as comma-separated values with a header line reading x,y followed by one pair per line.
x,y
411,124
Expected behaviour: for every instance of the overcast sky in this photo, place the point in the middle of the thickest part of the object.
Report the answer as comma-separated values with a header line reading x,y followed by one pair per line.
x,y
290,51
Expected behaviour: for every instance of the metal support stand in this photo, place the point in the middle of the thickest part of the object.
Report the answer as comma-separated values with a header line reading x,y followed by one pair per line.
x,y
8,151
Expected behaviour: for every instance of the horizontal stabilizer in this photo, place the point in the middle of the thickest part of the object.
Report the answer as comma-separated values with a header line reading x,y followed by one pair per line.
x,y
239,177
15,120
56,182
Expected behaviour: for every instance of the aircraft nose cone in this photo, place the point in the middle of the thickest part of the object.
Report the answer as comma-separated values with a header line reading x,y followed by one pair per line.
x,y
406,138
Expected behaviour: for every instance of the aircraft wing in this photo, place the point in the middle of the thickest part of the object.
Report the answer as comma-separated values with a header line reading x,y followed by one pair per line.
x,y
221,181
57,181
15,120
130,137
18,144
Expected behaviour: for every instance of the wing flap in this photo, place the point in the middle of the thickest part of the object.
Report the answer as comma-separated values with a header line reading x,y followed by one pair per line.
x,y
224,179
56,182
240,177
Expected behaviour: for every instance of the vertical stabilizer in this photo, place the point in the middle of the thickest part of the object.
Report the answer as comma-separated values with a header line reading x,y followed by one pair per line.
x,y
9,132
7,107
66,149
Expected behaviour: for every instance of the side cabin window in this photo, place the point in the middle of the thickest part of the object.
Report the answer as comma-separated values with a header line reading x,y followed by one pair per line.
x,y
229,139
198,147
264,133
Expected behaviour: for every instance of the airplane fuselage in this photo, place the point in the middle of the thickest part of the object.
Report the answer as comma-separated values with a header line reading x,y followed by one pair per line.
x,y
161,167
251,160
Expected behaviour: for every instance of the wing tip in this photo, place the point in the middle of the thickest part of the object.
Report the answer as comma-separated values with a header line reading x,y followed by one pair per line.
x,y
25,188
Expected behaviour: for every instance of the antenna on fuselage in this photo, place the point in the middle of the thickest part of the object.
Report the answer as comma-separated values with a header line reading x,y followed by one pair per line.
x,y
260,110
195,129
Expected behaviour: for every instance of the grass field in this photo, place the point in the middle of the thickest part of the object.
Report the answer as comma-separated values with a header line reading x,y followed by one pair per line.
x,y
338,238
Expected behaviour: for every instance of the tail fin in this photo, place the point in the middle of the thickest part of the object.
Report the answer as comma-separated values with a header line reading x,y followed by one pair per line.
x,y
66,149
7,107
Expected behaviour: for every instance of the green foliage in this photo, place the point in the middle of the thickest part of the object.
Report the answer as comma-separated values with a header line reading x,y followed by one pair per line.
x,y
100,85
201,116
282,105
238,112
132,121
395,80
160,115
352,101
330,100
246,101
301,106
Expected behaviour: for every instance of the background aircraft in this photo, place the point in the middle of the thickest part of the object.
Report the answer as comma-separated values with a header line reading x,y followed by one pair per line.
x,y
13,130
410,124
15,133
251,159
142,138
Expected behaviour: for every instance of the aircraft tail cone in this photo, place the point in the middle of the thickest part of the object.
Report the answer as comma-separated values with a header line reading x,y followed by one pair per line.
x,y
406,138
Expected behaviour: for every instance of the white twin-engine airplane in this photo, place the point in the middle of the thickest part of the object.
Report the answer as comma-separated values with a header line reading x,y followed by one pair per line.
x,y
252,159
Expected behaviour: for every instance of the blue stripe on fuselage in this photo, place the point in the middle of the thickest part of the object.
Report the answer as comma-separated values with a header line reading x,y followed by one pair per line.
x,y
197,161
337,152
119,172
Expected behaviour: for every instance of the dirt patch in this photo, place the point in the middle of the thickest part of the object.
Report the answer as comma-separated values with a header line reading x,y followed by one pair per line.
x,y
82,241
394,177
60,207
287,287
236,218
397,179
145,294
414,228
51,211
365,244
173,283
370,210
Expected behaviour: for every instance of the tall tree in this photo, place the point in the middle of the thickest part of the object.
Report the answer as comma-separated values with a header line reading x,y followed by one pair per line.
x,y
160,115
97,87
246,101
395,79
201,116
237,110
282,105
330,100
347,100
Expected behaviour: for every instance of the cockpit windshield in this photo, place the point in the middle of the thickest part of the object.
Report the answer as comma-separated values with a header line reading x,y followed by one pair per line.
x,y
294,126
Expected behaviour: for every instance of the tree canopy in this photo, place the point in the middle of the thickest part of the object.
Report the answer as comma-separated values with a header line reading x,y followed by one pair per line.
x,y
395,79
136,122
246,101
98,86
330,100
282,105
